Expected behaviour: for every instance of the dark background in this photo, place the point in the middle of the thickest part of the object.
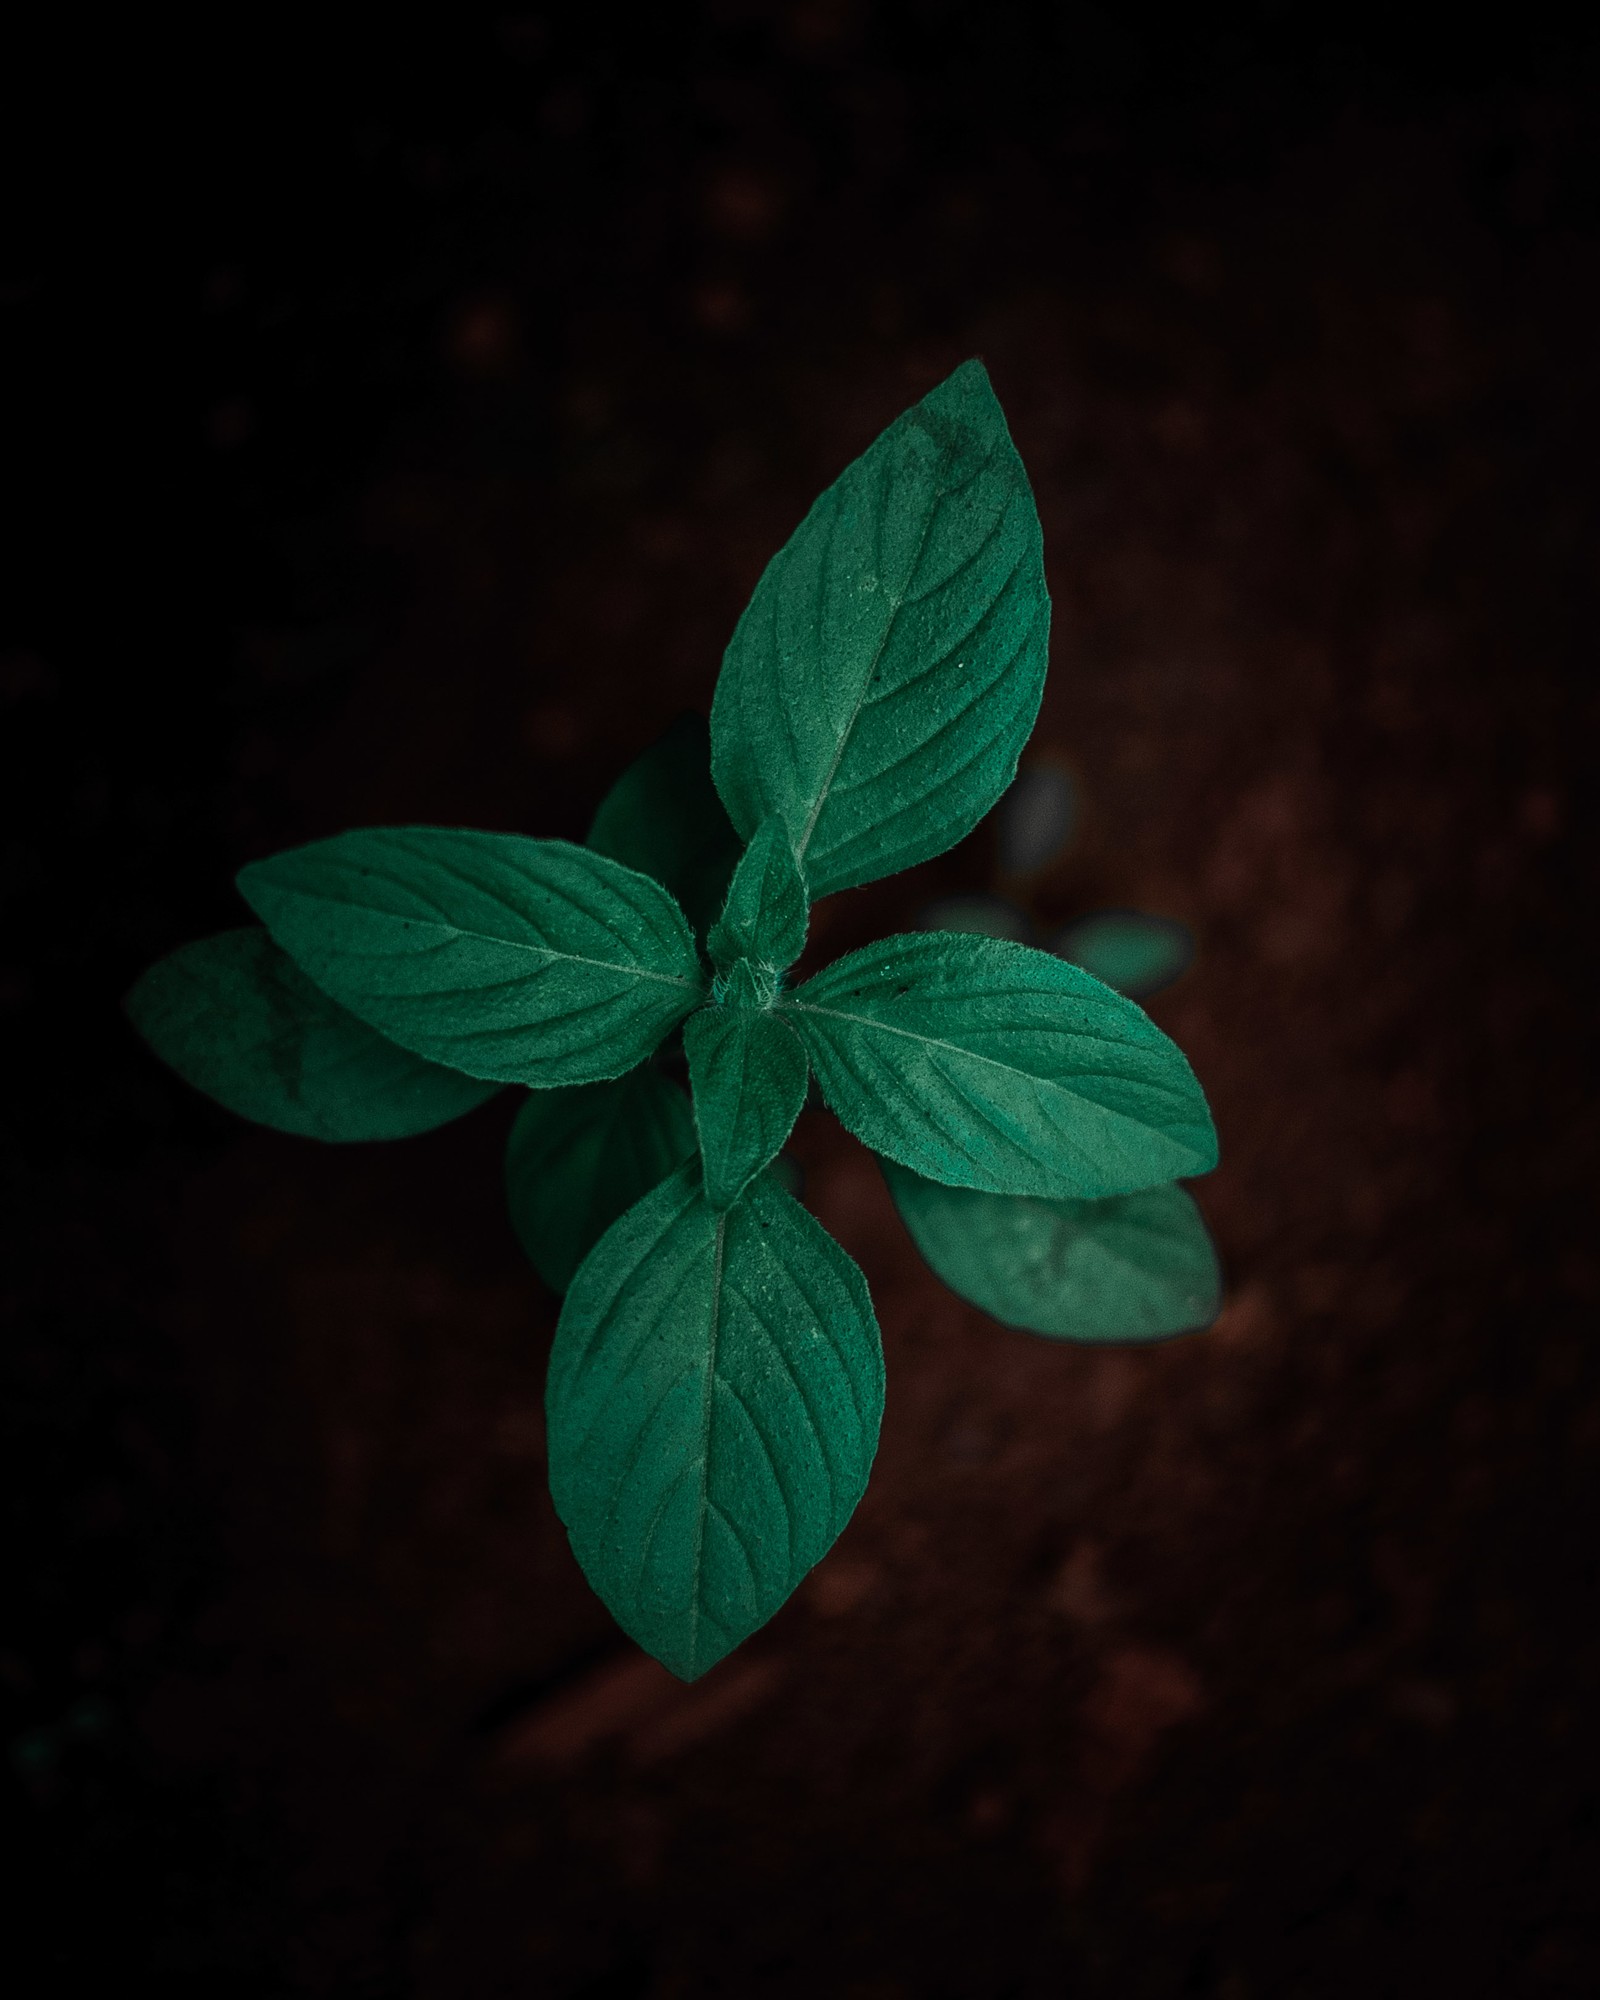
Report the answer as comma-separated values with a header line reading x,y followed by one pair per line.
x,y
1256,1664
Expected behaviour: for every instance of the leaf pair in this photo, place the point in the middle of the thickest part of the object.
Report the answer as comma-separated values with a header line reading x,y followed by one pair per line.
x,y
239,1019
579,1157
409,971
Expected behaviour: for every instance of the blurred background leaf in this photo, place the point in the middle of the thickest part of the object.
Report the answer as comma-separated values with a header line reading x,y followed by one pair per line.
x,y
1136,954
1132,1267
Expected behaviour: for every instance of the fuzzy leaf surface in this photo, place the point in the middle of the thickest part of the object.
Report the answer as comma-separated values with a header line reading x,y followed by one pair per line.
x,y
748,1072
529,961
665,818
887,671
986,1064
234,1016
714,1398
580,1155
1133,1267
982,916
765,915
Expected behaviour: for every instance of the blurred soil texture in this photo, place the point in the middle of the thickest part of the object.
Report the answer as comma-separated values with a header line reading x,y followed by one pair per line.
x,y
1258,1665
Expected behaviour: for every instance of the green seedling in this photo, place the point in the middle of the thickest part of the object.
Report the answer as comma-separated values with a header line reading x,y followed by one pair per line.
x,y
716,1384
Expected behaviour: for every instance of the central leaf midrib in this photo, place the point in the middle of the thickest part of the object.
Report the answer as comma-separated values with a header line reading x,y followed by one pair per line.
x,y
457,931
955,1048
718,1251
845,734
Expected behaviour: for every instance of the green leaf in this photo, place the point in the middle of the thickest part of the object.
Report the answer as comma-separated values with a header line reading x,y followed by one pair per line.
x,y
887,671
1134,1267
980,916
765,915
531,961
986,1064
1137,955
578,1157
748,1072
713,1404
664,817
787,1171
234,1017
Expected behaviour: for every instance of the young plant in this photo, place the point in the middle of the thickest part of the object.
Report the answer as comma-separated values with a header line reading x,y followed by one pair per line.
x,y
716,1384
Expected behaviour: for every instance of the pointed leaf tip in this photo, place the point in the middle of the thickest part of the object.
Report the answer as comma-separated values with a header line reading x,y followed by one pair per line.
x,y
888,669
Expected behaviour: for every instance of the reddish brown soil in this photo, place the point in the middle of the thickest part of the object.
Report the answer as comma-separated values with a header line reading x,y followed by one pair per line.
x,y
1256,1664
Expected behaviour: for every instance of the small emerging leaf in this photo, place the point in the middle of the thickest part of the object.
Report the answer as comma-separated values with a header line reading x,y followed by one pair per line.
x,y
748,1072
1137,955
713,1402
579,1156
234,1016
990,1065
531,961
888,669
765,914
1133,1267
664,817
